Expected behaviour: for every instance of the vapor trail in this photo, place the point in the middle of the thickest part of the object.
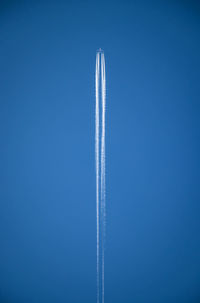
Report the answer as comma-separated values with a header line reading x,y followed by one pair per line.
x,y
97,166
103,190
100,86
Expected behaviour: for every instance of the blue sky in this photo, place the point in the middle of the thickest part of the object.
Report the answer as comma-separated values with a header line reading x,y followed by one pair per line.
x,y
47,161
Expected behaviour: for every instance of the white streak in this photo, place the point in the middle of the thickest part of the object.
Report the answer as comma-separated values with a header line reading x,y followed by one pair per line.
x,y
103,190
100,85
97,166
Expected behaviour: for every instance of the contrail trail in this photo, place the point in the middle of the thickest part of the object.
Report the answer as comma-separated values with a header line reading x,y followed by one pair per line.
x,y
97,166
100,85
103,200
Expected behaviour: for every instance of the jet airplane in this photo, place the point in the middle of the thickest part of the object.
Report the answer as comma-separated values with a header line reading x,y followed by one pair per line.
x,y
99,50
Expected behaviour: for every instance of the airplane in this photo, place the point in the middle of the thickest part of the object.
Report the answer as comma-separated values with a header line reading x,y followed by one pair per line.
x,y
99,50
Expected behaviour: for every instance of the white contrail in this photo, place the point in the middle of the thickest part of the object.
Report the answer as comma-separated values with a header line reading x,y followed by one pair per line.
x,y
100,85
97,166
103,192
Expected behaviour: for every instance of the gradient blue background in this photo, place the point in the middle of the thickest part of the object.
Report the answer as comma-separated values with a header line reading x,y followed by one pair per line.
x,y
47,164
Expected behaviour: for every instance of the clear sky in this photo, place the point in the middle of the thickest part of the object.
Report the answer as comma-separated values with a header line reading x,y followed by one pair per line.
x,y
47,159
